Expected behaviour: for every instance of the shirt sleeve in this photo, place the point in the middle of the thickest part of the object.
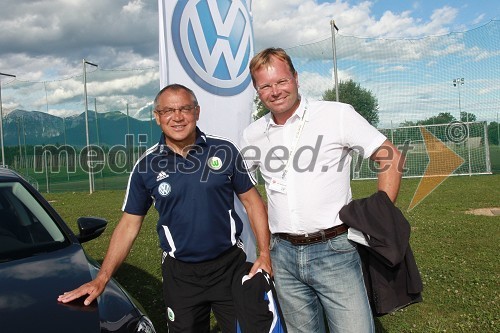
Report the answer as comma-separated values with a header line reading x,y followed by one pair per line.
x,y
250,155
242,179
137,200
358,134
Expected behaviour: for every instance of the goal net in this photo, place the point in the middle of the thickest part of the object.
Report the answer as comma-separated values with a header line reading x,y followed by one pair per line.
x,y
468,141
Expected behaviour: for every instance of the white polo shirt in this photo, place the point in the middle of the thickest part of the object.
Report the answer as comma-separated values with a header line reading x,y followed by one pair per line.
x,y
305,193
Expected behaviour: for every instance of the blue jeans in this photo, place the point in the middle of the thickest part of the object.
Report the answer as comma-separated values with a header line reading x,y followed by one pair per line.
x,y
321,277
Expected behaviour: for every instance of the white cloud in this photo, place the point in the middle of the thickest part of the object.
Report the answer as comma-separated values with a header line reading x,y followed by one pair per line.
x,y
385,69
55,32
133,7
479,19
47,40
290,23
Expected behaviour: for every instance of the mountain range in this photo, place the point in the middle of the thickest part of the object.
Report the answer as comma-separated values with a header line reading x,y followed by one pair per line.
x,y
22,127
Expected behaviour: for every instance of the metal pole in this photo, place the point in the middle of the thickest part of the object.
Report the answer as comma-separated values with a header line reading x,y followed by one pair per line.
x,y
392,133
128,133
46,171
97,126
128,124
468,142
25,150
151,126
487,147
19,141
89,156
66,147
498,132
459,103
457,83
87,122
334,47
1,118
460,82
46,97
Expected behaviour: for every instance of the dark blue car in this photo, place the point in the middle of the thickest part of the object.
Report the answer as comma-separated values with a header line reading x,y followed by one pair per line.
x,y
40,258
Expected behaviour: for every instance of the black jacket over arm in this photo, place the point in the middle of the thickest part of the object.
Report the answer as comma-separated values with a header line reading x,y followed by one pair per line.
x,y
390,272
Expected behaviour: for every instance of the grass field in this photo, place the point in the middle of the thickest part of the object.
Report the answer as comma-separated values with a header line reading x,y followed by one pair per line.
x,y
456,254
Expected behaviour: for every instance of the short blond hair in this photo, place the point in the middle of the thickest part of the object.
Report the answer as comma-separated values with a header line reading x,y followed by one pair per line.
x,y
264,57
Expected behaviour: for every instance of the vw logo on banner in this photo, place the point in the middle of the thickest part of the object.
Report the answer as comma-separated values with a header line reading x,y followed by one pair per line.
x,y
213,40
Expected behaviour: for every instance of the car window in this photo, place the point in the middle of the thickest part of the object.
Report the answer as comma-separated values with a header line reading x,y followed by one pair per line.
x,y
24,224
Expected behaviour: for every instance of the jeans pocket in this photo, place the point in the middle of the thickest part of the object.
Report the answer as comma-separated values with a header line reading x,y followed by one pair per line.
x,y
341,244
273,242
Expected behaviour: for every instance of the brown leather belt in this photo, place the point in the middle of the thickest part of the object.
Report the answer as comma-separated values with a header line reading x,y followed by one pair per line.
x,y
317,237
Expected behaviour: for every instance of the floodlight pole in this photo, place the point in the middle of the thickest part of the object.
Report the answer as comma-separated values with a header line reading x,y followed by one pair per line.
x,y
457,83
498,131
128,122
96,122
26,167
66,147
89,156
97,126
334,47
151,126
1,118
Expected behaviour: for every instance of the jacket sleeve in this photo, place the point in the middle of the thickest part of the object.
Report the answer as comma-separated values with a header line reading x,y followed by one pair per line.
x,y
390,271
383,224
256,304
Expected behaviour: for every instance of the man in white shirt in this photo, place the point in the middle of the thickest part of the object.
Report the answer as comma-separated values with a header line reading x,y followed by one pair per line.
x,y
302,149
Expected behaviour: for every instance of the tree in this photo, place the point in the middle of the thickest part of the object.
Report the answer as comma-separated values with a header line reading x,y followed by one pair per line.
x,y
408,123
363,100
350,92
466,116
493,133
260,108
441,118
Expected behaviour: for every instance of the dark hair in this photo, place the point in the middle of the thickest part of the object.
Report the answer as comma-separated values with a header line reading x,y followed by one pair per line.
x,y
174,87
264,57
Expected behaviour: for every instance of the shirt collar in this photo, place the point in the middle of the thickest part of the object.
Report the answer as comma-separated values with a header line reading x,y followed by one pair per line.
x,y
299,113
201,140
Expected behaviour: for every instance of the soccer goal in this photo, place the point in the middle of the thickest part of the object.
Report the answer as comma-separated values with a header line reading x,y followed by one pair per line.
x,y
467,140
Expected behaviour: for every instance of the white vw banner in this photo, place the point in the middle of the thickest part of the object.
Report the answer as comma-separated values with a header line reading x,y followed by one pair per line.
x,y
207,45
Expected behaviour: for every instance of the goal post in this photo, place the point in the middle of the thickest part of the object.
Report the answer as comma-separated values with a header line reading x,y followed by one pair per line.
x,y
467,140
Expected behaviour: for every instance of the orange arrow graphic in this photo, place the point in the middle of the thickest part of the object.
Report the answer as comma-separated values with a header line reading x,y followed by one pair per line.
x,y
442,163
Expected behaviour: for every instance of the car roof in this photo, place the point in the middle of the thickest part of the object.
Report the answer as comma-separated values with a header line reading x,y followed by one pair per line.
x,y
6,174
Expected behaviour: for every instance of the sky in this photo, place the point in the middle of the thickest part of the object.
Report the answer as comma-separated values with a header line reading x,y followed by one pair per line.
x,y
45,41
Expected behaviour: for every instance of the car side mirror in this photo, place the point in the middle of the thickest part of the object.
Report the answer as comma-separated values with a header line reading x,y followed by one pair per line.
x,y
90,228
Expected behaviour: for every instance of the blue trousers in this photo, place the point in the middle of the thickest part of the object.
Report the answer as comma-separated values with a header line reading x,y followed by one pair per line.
x,y
321,280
